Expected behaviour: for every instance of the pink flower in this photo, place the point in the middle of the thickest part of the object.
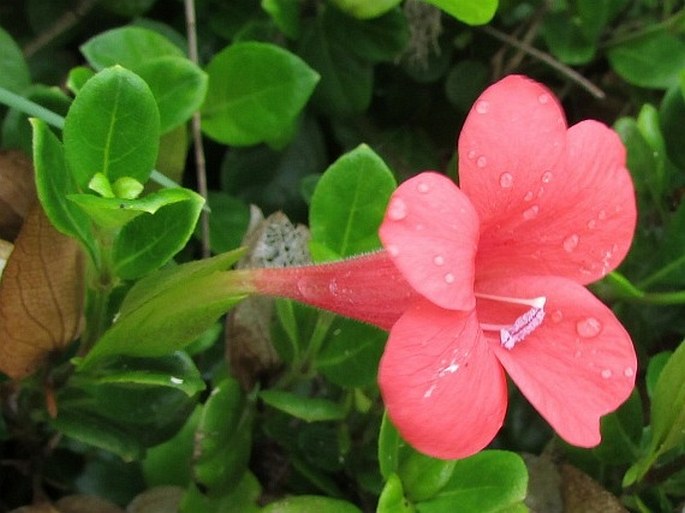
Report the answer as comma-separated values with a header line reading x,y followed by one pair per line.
x,y
489,277
500,264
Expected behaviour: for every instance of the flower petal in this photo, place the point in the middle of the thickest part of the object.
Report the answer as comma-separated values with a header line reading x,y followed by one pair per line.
x,y
442,385
578,365
585,220
513,135
430,231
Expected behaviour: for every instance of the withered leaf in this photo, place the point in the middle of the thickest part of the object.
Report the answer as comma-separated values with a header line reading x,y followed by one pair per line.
x,y
17,192
582,494
41,296
86,504
161,499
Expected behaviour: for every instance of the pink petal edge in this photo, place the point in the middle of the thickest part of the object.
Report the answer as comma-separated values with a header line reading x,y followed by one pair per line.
x,y
430,230
578,365
441,383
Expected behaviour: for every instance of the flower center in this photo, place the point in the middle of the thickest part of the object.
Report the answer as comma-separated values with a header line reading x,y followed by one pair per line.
x,y
524,325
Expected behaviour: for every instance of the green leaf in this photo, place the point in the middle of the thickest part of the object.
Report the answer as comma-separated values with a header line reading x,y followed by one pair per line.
x,y
178,85
471,12
243,498
668,404
654,368
14,72
389,442
621,433
566,39
465,81
149,241
310,504
364,10
175,371
285,14
652,61
78,77
351,352
424,477
310,409
169,320
346,80
672,114
228,221
111,213
127,46
477,485
392,498
349,202
54,183
99,432
256,91
223,439
112,128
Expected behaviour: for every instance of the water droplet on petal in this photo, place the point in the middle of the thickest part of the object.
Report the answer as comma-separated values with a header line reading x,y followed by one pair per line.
x,y
397,209
506,180
439,260
471,154
481,162
543,98
588,327
602,215
592,224
423,187
557,316
449,278
529,196
578,354
393,250
571,242
629,372
482,107
547,177
531,213
606,373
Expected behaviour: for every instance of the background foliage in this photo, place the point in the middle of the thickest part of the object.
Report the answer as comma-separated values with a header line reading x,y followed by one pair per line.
x,y
314,108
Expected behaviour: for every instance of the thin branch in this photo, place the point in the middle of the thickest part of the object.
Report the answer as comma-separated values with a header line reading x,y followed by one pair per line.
x,y
60,26
200,163
568,72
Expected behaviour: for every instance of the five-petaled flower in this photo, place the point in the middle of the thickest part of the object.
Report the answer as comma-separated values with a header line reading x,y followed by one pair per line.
x,y
489,276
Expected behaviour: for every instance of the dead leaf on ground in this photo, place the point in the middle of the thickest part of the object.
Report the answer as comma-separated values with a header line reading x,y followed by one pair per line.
x,y
17,192
160,499
86,504
41,296
582,494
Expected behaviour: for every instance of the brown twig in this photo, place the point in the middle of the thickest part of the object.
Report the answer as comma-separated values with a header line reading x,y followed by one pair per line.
x,y
200,163
60,26
568,72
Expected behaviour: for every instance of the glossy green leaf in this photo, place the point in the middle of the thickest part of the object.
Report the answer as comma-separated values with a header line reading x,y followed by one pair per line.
x,y
223,439
78,77
392,498
621,433
54,183
14,72
654,368
424,477
349,203
113,212
471,12
150,241
169,462
310,409
175,371
112,128
99,432
178,85
243,498
310,504
127,46
285,14
256,91
363,9
389,442
346,80
477,485
350,353
668,404
170,320
652,61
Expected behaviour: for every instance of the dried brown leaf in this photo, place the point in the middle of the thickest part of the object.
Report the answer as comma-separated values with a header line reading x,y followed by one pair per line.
x,y
86,504
582,494
17,192
38,508
161,499
41,296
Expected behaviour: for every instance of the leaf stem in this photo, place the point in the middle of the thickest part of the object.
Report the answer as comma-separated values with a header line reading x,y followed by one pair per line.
x,y
30,108
662,273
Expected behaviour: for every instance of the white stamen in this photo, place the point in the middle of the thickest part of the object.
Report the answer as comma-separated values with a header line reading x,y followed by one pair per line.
x,y
523,326
536,302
